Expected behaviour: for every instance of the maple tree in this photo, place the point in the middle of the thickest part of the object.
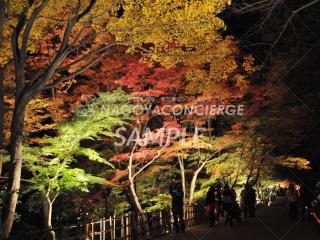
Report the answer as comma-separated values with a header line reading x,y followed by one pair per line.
x,y
50,163
159,85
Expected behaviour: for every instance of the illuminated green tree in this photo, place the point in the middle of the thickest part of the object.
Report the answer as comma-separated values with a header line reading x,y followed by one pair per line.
x,y
50,163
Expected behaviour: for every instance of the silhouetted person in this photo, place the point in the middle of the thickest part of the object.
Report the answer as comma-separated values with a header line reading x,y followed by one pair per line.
x,y
218,198
211,205
235,211
227,198
292,200
176,193
306,197
249,201
242,198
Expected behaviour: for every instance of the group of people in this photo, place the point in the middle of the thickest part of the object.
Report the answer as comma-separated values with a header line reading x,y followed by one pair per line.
x,y
220,202
223,203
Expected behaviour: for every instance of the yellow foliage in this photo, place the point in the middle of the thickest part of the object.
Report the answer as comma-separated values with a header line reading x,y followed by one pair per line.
x,y
53,16
178,31
296,162
165,31
38,112
173,31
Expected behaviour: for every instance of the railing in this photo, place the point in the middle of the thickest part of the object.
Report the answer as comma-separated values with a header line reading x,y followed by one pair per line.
x,y
125,227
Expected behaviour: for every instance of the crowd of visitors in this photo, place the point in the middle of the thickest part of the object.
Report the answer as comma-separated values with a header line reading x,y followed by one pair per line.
x,y
221,203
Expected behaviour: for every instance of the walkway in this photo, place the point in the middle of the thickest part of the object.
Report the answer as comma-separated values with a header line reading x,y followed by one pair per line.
x,y
271,223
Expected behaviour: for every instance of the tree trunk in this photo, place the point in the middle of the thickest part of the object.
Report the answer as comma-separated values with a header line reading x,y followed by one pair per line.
x,y
136,206
15,168
1,116
192,187
194,181
135,198
47,213
2,68
183,179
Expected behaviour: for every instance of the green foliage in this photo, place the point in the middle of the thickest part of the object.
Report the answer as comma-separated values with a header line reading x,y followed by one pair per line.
x,y
122,207
200,194
52,179
50,164
158,202
97,119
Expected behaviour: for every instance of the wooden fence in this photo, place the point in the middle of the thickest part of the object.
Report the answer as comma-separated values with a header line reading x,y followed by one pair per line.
x,y
125,227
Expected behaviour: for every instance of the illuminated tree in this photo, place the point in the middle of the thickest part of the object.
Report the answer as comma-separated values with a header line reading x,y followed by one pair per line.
x,y
50,163
52,180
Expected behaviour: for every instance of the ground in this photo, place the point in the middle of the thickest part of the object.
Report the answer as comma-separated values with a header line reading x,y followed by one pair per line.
x,y
271,223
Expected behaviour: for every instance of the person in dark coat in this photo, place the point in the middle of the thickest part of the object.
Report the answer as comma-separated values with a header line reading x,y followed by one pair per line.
x,y
250,201
218,198
236,211
227,199
211,205
292,201
176,192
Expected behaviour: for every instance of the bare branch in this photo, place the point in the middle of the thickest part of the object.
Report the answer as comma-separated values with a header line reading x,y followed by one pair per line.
x,y
23,180
87,56
28,28
148,164
16,53
86,24
257,6
87,10
286,25
16,34
269,14
79,71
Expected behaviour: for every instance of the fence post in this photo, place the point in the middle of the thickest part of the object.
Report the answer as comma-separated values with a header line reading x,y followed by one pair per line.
x,y
103,229
87,232
161,222
100,230
111,228
92,231
114,226
122,229
127,227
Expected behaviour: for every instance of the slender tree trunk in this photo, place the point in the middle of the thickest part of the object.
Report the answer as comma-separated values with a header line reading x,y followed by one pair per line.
x,y
133,194
192,187
136,206
183,178
47,210
194,181
15,168
135,198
